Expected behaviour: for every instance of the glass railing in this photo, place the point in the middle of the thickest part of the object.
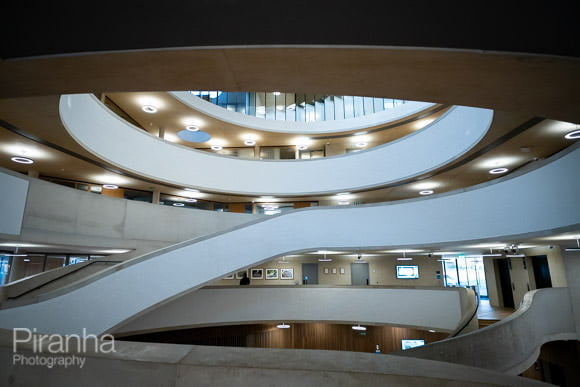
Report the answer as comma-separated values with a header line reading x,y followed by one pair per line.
x,y
297,107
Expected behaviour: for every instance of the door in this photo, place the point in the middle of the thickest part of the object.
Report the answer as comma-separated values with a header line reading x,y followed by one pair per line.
x,y
359,273
310,273
541,272
505,282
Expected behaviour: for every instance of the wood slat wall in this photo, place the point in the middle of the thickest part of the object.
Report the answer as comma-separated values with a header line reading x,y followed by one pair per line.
x,y
298,336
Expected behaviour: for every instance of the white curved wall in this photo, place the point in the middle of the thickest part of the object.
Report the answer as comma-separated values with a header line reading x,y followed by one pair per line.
x,y
544,315
106,135
421,308
61,215
536,203
381,118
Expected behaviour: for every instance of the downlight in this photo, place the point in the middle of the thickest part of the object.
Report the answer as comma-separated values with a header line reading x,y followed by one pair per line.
x,y
110,186
426,192
573,135
283,326
22,160
191,200
178,204
216,147
192,128
149,109
358,328
497,171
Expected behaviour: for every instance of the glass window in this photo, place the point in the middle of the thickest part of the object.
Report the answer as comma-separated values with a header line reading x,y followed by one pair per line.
x,y
23,267
4,269
55,261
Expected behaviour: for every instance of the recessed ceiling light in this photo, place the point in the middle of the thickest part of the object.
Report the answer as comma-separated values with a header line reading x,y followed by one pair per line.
x,y
26,259
276,93
404,259
110,186
178,204
324,259
192,128
426,192
361,144
302,147
22,160
191,200
250,142
575,134
432,330
359,328
149,109
497,171
283,326
216,147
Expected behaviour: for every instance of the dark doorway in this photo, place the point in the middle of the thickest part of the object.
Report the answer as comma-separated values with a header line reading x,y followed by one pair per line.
x,y
310,273
359,273
541,272
505,282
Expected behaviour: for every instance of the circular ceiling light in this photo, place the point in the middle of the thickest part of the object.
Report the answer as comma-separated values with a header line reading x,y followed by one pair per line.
x,y
302,147
250,142
22,160
359,328
110,186
178,204
573,135
149,109
283,326
216,147
361,144
191,200
192,128
497,171
426,192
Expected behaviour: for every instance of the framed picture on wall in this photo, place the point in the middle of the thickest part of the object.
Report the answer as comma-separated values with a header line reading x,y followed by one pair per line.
x,y
342,270
271,273
240,274
257,274
287,273
334,270
326,270
231,276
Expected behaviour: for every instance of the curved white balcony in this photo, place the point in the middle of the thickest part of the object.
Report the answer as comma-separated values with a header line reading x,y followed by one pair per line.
x,y
544,315
381,118
423,308
539,202
106,135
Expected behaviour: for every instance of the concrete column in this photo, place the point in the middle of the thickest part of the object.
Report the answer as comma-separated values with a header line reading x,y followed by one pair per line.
x,y
572,267
156,196
33,173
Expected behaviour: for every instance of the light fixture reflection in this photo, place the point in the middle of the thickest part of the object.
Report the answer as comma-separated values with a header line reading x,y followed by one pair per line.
x,y
573,135
426,192
358,328
149,109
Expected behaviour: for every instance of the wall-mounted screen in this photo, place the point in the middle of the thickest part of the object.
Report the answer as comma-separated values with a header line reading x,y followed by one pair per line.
x,y
408,272
406,344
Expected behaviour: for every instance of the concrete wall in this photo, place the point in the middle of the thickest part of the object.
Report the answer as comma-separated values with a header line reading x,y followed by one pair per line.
x,y
62,215
130,289
101,132
440,309
13,198
152,364
513,344
382,270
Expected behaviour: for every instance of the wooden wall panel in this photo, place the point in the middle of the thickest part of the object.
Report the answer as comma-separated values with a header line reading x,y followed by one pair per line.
x,y
237,207
298,336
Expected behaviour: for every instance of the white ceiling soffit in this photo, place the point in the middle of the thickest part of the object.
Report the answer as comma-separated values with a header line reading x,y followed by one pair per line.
x,y
111,138
316,127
